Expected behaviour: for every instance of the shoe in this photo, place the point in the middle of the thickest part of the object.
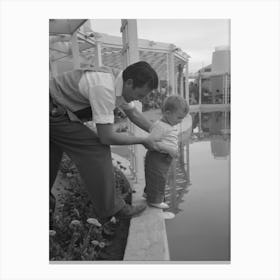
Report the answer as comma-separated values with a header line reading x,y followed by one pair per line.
x,y
129,211
161,205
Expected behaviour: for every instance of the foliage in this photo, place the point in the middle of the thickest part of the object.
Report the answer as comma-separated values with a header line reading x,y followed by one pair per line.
x,y
153,100
76,234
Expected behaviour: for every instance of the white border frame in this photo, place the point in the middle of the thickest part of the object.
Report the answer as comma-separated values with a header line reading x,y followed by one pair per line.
x,y
255,143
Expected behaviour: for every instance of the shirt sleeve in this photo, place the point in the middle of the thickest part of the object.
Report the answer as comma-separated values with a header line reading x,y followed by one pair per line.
x,y
98,88
102,103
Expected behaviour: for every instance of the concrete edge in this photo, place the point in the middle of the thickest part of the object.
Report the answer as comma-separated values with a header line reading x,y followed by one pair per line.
x,y
147,239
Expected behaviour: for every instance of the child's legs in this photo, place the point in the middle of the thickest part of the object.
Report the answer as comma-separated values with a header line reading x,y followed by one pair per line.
x,y
156,168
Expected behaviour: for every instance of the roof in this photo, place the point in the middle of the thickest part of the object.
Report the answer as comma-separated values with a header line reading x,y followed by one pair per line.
x,y
64,26
153,52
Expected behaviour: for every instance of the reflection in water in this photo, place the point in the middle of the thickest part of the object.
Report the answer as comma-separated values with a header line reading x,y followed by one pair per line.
x,y
198,191
220,146
213,127
178,180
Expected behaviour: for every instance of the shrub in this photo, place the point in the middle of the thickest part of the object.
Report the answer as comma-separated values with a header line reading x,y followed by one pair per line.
x,y
76,233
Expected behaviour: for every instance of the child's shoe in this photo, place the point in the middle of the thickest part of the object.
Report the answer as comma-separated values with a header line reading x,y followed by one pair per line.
x,y
161,205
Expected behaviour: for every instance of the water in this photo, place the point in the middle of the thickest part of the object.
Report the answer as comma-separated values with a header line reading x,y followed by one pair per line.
x,y
198,191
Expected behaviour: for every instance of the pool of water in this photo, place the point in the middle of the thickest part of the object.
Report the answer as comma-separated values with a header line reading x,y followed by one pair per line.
x,y
198,192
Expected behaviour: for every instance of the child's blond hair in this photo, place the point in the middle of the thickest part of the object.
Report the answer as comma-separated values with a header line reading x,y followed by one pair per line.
x,y
173,103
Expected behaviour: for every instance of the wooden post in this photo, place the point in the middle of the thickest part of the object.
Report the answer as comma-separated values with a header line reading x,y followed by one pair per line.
x,y
180,80
199,89
223,88
131,55
188,162
171,69
75,51
226,88
167,74
225,126
187,81
200,126
130,41
172,184
98,54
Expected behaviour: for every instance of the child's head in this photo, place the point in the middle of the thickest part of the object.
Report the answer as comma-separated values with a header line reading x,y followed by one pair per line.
x,y
174,109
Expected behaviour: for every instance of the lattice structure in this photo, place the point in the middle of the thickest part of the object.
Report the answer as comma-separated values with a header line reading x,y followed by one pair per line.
x,y
74,46
170,63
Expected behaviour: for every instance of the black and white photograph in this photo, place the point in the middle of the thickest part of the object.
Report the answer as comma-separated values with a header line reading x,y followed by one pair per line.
x,y
139,140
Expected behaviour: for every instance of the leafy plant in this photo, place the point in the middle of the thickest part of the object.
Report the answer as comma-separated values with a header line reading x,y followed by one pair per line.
x,y
76,233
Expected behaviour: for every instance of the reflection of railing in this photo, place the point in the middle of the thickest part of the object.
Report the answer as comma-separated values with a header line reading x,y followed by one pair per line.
x,y
216,122
132,153
211,126
178,179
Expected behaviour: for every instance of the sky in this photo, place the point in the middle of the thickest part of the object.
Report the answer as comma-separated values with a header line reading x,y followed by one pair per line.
x,y
197,37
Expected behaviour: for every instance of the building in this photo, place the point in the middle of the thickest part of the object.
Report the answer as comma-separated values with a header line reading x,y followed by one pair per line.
x,y
212,83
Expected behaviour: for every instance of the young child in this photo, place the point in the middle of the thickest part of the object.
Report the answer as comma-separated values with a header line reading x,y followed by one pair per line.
x,y
174,109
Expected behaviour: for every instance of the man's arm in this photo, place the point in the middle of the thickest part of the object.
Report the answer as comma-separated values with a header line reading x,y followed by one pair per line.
x,y
138,118
108,136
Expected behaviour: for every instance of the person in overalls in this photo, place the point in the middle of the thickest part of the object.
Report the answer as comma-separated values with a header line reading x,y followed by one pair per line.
x,y
85,94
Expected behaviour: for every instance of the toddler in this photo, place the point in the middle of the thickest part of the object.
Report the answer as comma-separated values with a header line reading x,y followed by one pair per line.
x,y
174,110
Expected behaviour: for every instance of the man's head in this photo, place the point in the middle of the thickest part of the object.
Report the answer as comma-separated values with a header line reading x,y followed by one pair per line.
x,y
139,79
174,109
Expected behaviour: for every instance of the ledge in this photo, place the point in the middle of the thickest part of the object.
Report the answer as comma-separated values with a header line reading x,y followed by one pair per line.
x,y
147,240
209,107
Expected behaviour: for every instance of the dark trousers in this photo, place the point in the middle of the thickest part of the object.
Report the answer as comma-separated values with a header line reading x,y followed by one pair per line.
x,y
92,159
156,169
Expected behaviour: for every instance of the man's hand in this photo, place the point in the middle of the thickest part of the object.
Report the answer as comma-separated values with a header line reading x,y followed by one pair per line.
x,y
151,143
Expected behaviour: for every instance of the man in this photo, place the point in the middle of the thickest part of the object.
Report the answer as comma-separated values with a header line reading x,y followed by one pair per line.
x,y
85,94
